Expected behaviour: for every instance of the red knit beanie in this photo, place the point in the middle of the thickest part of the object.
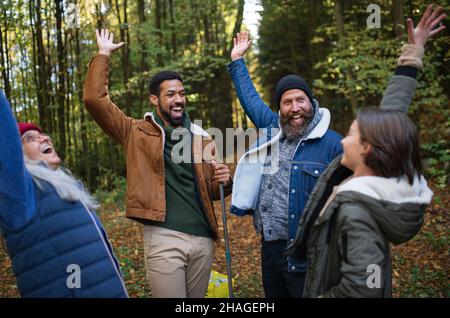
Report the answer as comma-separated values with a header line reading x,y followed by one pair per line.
x,y
24,127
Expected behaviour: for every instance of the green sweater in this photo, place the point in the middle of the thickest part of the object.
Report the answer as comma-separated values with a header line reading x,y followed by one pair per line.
x,y
184,212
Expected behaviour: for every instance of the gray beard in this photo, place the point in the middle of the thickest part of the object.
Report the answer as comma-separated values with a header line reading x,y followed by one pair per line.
x,y
293,133
67,187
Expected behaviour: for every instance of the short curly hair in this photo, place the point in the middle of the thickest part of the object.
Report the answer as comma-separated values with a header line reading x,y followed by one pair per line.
x,y
158,78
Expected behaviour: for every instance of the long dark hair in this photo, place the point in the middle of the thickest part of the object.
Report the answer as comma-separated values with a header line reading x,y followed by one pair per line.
x,y
394,140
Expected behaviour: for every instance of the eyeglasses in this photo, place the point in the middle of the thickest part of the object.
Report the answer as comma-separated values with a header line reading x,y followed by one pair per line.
x,y
33,138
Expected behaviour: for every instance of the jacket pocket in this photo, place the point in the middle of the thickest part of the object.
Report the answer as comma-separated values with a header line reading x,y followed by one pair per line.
x,y
311,172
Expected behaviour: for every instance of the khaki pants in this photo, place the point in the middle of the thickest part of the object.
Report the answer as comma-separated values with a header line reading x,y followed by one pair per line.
x,y
178,265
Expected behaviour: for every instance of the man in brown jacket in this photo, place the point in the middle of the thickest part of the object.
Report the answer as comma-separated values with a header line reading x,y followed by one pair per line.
x,y
173,198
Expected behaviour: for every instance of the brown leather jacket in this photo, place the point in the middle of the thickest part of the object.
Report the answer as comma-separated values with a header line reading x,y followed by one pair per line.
x,y
143,140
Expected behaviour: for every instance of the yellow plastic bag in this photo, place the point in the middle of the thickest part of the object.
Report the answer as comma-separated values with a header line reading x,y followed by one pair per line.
x,y
218,285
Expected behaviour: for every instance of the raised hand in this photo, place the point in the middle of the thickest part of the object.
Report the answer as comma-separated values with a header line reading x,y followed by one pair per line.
x,y
426,27
105,42
241,45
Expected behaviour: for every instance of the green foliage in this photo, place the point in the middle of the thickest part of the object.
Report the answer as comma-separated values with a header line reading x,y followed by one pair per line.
x,y
288,41
369,61
349,67
113,194
438,243
192,37
437,156
361,62
422,283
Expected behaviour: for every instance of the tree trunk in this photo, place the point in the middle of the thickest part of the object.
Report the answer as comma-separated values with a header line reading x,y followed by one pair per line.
x,y
125,57
397,17
83,123
237,24
159,60
52,116
339,15
236,111
61,87
219,90
143,53
339,18
42,88
3,61
312,27
173,29
34,59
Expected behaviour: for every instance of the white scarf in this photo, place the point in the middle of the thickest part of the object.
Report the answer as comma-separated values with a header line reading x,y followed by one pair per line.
x,y
67,187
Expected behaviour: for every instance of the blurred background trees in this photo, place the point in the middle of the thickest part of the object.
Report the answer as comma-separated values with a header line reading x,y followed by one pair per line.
x,y
45,49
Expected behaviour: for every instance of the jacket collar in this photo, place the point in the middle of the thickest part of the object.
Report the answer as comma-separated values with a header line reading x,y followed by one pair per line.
x,y
395,190
194,129
322,127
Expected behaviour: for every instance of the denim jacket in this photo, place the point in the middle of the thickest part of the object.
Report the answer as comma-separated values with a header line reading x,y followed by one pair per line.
x,y
311,158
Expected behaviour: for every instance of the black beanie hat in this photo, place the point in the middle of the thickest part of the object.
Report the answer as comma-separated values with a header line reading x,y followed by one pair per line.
x,y
292,82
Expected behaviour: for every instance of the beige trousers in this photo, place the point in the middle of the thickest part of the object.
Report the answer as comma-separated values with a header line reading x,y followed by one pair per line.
x,y
178,265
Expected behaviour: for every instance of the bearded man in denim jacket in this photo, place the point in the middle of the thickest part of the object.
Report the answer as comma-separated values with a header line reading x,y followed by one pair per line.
x,y
301,150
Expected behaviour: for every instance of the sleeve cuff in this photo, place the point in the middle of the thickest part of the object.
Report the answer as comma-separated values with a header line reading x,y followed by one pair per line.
x,y
234,63
412,55
100,58
229,186
406,70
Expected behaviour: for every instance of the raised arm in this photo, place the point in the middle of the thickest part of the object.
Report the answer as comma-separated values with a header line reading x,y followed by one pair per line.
x,y
16,186
258,112
95,94
401,88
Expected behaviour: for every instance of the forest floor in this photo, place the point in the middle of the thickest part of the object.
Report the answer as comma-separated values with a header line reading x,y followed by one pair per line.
x,y
420,267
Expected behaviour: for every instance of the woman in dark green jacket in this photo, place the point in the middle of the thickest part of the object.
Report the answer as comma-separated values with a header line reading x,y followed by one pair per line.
x,y
372,195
